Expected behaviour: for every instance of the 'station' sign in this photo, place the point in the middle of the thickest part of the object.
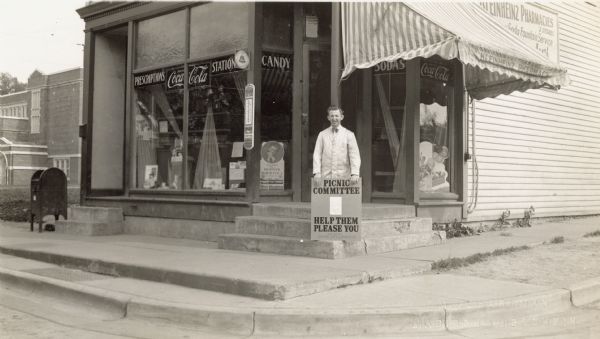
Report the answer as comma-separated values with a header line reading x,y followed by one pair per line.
x,y
336,209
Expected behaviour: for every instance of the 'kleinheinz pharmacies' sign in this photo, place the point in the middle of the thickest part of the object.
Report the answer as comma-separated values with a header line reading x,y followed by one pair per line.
x,y
536,26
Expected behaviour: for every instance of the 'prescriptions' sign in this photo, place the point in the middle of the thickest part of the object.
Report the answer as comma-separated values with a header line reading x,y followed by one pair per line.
x,y
336,209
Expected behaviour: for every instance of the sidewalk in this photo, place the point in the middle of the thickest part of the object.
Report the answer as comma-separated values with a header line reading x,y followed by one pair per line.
x,y
265,294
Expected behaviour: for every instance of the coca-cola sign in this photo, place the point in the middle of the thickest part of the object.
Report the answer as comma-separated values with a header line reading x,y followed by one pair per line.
x,y
198,74
435,71
175,79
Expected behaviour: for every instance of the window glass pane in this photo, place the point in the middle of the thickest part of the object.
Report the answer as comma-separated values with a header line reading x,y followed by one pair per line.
x,y
389,138
216,159
161,40
278,26
276,126
159,129
218,28
434,153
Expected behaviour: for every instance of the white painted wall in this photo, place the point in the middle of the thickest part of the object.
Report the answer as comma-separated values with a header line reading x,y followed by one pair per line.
x,y
542,148
108,111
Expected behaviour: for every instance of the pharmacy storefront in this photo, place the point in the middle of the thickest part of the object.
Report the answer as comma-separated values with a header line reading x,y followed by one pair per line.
x,y
169,86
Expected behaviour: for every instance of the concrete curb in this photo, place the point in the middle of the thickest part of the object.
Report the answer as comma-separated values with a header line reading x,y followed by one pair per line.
x,y
387,321
585,292
302,321
231,320
505,312
112,304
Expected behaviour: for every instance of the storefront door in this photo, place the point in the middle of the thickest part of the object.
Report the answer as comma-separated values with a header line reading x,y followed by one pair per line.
x,y
315,100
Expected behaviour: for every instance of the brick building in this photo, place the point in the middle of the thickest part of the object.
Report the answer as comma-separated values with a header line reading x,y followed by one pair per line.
x,y
39,127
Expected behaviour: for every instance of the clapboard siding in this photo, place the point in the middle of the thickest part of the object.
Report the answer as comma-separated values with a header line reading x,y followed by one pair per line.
x,y
541,148
542,118
529,104
559,148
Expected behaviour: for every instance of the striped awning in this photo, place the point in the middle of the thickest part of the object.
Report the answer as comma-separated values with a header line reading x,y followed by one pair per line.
x,y
496,60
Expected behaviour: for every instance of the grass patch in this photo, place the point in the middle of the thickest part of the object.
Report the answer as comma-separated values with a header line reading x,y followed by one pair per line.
x,y
506,234
557,240
452,263
592,234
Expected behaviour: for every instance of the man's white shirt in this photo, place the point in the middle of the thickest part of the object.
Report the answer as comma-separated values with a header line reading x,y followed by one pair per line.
x,y
336,154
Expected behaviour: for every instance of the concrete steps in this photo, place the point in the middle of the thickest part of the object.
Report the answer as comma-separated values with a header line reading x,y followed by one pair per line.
x,y
284,228
324,249
300,210
300,228
91,221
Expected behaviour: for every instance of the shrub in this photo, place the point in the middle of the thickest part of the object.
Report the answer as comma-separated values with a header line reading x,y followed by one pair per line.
x,y
14,210
454,229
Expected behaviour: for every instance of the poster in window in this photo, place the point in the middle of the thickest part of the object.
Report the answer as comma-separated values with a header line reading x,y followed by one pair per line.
x,y
272,166
150,176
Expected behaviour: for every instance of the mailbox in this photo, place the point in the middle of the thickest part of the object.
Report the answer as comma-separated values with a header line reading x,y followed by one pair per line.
x,y
48,195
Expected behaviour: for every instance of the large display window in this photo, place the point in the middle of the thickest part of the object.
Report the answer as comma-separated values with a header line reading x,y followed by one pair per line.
x,y
389,123
188,128
216,158
158,131
188,99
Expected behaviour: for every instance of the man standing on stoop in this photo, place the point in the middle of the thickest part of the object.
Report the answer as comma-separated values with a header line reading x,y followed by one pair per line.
x,y
336,154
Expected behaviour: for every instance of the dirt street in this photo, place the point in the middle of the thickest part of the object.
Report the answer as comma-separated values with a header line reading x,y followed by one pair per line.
x,y
557,265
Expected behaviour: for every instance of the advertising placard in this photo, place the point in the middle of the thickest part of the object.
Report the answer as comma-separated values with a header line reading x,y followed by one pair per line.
x,y
272,166
336,209
249,93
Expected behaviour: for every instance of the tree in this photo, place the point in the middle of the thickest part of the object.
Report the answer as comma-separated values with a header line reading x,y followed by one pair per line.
x,y
10,84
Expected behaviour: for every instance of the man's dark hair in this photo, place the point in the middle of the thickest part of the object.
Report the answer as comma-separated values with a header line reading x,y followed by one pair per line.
x,y
335,108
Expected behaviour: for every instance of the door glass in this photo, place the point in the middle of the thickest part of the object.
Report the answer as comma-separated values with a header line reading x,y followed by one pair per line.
x,y
319,63
388,137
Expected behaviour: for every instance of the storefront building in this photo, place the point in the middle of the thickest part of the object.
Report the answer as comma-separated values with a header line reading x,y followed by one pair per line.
x,y
165,132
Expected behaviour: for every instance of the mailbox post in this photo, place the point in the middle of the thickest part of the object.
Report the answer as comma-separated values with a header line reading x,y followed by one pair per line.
x,y
48,195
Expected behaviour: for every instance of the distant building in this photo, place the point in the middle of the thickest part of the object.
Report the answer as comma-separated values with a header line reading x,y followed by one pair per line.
x,y
39,127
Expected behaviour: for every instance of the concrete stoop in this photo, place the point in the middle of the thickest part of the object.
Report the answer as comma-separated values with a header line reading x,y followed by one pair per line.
x,y
84,220
284,228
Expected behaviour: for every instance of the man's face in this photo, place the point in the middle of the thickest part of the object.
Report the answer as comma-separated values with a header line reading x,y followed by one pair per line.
x,y
335,117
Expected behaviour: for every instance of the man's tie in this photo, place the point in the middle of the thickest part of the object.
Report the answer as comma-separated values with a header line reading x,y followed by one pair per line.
x,y
335,130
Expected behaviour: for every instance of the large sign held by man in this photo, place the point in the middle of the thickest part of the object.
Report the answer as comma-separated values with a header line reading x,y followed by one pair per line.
x,y
336,206
336,209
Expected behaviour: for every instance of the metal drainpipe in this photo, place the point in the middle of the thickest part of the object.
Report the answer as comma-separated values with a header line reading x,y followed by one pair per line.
x,y
475,169
6,162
